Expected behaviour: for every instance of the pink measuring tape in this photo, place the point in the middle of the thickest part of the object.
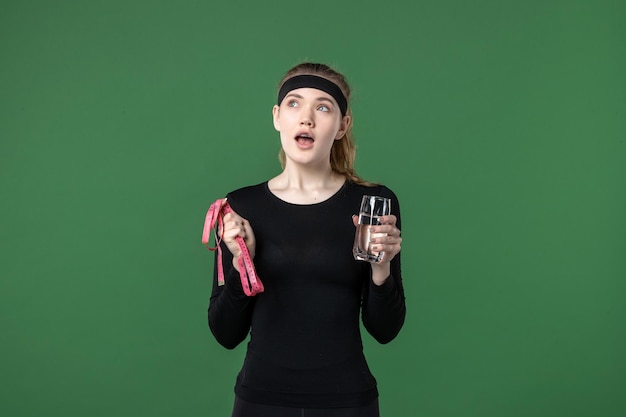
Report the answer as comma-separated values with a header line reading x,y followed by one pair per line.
x,y
251,284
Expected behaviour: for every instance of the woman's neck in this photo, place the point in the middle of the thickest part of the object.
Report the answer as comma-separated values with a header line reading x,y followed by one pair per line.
x,y
300,186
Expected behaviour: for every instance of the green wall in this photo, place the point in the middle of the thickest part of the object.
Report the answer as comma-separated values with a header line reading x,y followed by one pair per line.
x,y
501,125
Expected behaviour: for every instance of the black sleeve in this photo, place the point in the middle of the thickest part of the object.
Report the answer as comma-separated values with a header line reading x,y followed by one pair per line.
x,y
384,308
230,309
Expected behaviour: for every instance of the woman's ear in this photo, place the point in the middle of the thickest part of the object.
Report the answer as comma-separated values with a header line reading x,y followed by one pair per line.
x,y
276,117
343,127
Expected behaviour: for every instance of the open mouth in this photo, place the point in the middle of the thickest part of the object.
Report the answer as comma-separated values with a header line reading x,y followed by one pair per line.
x,y
304,139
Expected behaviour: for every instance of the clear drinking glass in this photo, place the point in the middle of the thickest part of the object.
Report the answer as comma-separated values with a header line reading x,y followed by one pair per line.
x,y
372,207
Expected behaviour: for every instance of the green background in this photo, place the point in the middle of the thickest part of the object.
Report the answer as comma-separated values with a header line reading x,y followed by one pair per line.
x,y
501,125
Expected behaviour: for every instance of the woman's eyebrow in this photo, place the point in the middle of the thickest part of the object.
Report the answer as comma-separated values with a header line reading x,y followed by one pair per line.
x,y
325,99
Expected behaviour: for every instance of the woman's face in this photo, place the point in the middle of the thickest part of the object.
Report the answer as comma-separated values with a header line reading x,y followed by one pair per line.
x,y
309,122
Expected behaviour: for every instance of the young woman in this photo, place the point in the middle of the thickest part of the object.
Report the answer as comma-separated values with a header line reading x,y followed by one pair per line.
x,y
305,354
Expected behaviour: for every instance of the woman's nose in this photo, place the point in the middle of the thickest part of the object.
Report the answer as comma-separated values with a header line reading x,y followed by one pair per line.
x,y
306,119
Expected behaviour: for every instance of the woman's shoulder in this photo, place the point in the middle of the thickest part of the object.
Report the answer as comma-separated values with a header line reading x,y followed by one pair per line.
x,y
248,193
248,198
359,190
372,189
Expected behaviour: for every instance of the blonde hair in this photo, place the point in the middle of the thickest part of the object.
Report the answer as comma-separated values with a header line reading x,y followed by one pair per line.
x,y
343,152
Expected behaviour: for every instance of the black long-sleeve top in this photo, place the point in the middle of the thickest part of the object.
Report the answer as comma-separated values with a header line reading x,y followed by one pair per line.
x,y
305,347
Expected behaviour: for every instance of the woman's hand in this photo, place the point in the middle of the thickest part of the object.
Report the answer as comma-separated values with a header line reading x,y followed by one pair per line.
x,y
385,238
235,225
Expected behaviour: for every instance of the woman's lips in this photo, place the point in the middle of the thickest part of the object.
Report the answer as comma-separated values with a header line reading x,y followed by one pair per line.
x,y
304,140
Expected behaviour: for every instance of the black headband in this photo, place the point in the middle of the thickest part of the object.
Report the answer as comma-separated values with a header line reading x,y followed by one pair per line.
x,y
319,83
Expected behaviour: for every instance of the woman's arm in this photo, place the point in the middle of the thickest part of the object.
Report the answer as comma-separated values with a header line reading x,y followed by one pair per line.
x,y
384,308
230,310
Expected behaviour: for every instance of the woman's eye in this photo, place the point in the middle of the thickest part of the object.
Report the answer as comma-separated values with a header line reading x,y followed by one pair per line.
x,y
323,108
292,103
